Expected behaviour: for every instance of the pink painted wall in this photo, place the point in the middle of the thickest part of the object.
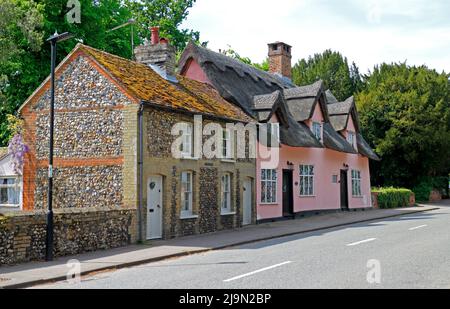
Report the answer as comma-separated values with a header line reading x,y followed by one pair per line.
x,y
195,72
327,163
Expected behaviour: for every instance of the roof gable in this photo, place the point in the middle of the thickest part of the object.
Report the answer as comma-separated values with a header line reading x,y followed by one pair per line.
x,y
302,101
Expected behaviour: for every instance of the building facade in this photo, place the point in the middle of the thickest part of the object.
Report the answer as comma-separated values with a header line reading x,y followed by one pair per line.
x,y
114,141
320,162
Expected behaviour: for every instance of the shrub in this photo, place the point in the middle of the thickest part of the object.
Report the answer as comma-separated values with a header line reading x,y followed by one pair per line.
x,y
393,197
426,185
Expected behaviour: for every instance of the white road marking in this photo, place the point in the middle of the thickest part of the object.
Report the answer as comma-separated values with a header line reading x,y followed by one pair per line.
x,y
257,271
418,227
361,242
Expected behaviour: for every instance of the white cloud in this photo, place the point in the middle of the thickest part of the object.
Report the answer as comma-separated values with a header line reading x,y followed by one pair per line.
x,y
367,32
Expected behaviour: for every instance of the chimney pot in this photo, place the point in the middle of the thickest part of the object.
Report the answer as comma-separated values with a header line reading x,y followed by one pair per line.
x,y
155,35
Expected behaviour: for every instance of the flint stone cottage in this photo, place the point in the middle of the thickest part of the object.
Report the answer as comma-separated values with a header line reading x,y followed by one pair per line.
x,y
323,160
116,179
113,147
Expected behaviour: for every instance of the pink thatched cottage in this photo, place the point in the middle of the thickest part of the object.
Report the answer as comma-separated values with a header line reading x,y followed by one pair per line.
x,y
321,162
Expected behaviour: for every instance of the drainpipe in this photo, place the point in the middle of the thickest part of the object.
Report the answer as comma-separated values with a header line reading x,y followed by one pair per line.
x,y
141,168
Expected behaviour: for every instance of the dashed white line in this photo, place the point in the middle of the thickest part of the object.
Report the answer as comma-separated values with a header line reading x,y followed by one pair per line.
x,y
418,227
361,242
257,271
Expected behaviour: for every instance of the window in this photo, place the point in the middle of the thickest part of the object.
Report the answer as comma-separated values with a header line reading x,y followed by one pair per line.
x,y
226,193
356,183
9,192
268,186
306,180
351,138
317,130
273,132
335,179
186,147
226,144
186,194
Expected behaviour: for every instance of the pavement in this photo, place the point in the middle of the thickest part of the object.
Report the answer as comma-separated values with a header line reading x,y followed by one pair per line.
x,y
263,235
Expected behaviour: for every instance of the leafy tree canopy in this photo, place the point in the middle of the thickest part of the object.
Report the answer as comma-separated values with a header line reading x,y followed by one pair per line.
x,y
168,15
25,62
333,69
405,112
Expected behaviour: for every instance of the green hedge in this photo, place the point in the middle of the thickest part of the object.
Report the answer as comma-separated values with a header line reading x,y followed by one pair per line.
x,y
392,197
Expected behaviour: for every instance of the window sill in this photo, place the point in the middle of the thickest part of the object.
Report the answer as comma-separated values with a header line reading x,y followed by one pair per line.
x,y
188,217
269,204
307,196
357,196
228,161
190,158
228,213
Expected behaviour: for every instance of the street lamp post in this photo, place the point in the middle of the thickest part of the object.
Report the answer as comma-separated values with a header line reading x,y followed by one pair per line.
x,y
54,39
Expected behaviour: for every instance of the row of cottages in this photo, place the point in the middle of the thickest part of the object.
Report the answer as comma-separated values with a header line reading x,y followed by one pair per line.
x,y
322,162
117,126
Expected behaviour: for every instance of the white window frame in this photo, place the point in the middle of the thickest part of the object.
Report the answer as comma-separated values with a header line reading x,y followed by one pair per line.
x,y
227,144
226,193
275,131
187,191
316,128
356,183
187,141
269,183
306,174
351,138
269,129
17,186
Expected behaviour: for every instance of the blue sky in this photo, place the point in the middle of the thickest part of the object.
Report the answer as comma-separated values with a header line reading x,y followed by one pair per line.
x,y
365,31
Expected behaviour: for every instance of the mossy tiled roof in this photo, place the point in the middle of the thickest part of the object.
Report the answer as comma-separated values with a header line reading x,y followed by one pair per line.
x,y
145,84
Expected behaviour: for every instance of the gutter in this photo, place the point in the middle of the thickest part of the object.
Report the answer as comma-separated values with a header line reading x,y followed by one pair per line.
x,y
140,168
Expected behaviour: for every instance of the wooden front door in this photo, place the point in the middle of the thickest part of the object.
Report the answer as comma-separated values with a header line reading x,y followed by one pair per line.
x,y
288,197
344,190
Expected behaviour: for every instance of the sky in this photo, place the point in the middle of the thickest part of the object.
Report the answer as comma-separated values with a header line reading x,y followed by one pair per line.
x,y
367,32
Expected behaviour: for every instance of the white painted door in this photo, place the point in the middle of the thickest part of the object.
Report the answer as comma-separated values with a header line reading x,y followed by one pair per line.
x,y
154,207
247,202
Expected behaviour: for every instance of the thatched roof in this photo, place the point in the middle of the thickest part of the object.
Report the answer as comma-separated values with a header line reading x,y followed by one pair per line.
x,y
330,97
292,133
302,101
340,114
236,81
335,141
365,149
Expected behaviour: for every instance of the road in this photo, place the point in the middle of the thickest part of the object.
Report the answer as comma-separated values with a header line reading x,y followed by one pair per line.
x,y
412,251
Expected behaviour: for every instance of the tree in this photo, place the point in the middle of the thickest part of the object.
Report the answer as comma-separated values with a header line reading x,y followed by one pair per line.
x,y
333,69
166,14
405,112
23,24
20,32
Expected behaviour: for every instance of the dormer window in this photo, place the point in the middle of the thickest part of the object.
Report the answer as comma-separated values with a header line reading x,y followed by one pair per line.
x,y
351,138
317,130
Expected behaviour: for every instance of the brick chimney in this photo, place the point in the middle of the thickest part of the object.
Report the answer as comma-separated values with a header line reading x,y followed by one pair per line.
x,y
280,59
158,54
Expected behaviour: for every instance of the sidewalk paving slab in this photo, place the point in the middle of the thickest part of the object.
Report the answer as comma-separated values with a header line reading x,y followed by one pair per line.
x,y
34,273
